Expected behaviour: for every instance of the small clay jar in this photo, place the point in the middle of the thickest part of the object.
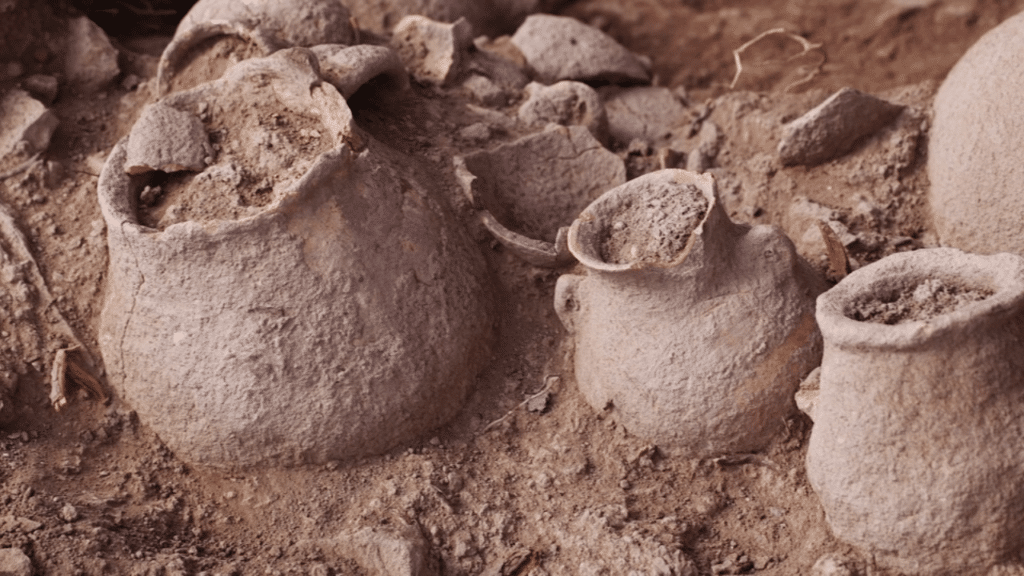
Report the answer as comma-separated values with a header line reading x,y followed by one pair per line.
x,y
700,349
347,315
917,451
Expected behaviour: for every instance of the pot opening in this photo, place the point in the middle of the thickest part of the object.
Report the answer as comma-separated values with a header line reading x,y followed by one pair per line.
x,y
654,226
261,149
916,302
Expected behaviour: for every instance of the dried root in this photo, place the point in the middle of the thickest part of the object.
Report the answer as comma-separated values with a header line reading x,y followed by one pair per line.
x,y
807,48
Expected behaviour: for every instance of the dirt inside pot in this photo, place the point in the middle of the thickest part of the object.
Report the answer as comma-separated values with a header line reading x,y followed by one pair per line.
x,y
208,60
922,301
262,150
653,228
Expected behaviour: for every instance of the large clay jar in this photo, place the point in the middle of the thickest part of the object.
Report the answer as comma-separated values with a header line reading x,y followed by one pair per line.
x,y
975,157
345,317
699,349
917,451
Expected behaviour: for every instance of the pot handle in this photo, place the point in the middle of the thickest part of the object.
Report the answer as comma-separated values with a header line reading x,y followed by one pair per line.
x,y
567,303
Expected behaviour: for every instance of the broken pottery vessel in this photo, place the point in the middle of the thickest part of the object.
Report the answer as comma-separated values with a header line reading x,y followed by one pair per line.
x,y
917,451
255,28
700,350
342,318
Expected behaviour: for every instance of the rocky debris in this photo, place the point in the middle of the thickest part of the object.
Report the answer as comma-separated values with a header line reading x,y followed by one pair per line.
x,y
702,158
733,564
432,51
563,48
566,103
91,61
400,552
348,68
648,113
26,125
975,161
12,523
807,396
833,127
42,87
169,140
528,190
833,564
493,78
14,562
68,513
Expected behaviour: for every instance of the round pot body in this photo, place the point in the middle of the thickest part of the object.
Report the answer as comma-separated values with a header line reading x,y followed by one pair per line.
x,y
917,451
975,160
701,354
344,319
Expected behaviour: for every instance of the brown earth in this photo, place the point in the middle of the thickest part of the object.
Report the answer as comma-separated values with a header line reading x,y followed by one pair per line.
x,y
558,490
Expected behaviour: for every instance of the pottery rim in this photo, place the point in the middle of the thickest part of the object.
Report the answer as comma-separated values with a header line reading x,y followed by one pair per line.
x,y
1003,274
586,231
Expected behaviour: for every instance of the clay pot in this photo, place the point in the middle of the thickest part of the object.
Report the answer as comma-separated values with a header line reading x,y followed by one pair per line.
x,y
345,317
975,160
917,451
259,27
701,352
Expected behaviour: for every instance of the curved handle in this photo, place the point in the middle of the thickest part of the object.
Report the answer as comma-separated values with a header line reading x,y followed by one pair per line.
x,y
567,304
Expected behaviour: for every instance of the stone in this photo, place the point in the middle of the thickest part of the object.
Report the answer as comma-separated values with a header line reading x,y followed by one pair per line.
x,y
68,513
527,191
834,565
490,17
833,127
167,139
91,60
563,48
11,523
702,158
26,126
348,68
506,78
432,51
401,552
43,87
485,91
14,562
285,24
648,113
567,103
807,395
975,160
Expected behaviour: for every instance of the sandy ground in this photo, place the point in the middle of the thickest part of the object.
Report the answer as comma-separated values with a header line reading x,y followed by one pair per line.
x,y
501,490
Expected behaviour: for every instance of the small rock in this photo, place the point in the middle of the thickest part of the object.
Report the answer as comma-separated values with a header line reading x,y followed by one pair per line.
x,y
733,564
43,87
91,61
432,51
17,524
833,127
833,564
476,132
538,403
25,124
647,112
68,513
485,91
401,553
167,139
563,48
506,75
807,395
14,562
567,103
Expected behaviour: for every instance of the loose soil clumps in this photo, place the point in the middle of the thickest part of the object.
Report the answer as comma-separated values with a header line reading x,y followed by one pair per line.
x,y
654,227
926,300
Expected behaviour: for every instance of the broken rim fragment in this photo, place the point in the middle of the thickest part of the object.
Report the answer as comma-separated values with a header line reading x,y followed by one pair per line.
x,y
919,427
345,316
694,331
261,26
527,192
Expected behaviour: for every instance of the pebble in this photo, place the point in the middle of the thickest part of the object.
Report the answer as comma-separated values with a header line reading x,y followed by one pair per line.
x,y
567,103
91,60
833,564
26,125
648,113
432,51
833,127
68,513
14,562
563,48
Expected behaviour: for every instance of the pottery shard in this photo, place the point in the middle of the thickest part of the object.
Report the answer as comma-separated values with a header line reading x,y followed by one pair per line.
x,y
167,139
563,48
349,67
566,103
14,562
833,127
91,61
646,112
25,124
432,51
